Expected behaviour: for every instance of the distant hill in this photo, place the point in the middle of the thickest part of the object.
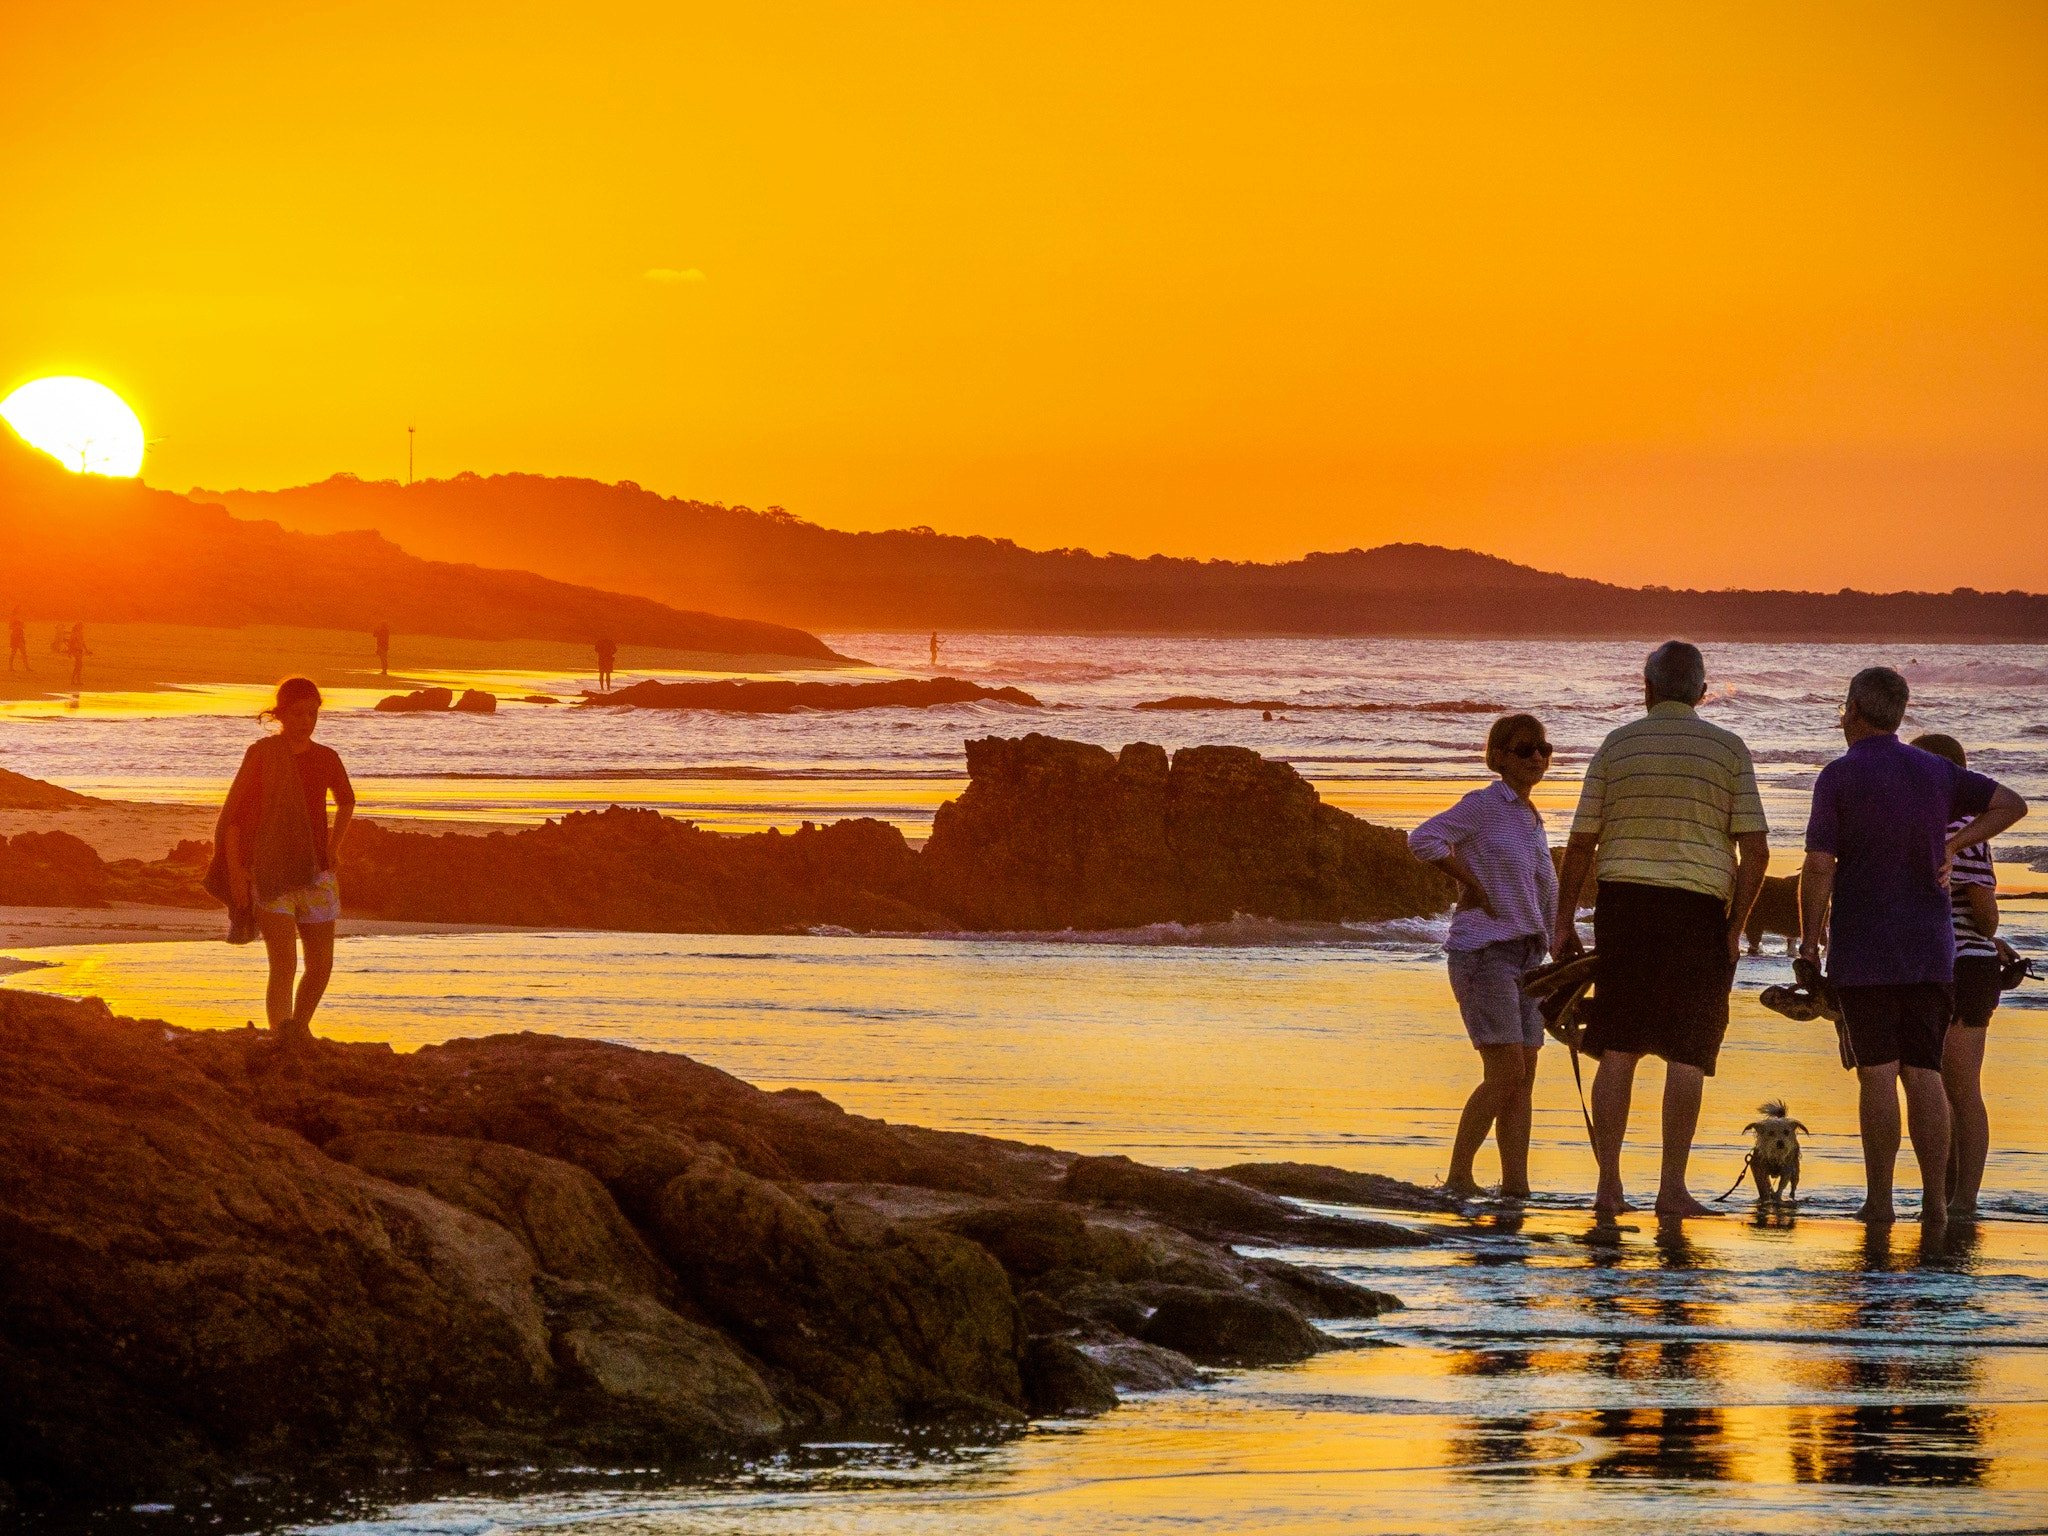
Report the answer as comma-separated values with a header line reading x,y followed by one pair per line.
x,y
771,565
108,551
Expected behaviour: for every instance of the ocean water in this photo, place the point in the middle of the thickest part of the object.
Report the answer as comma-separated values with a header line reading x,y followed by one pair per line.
x,y
1750,1371
1397,761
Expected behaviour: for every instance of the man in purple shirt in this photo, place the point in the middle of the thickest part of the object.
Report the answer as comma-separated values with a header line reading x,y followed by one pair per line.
x,y
1878,852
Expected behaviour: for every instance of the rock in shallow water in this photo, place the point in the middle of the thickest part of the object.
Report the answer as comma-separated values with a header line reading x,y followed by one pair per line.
x,y
222,1258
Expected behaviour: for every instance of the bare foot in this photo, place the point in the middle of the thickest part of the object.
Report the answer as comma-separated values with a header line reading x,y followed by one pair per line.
x,y
1962,1210
1878,1215
1465,1188
1610,1204
1514,1191
1681,1204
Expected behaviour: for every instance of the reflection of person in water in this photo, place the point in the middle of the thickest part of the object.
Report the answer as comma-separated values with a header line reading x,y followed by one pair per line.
x,y
279,857
17,642
607,653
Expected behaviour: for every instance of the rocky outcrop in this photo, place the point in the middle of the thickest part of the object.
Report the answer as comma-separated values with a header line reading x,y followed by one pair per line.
x,y
218,1259
475,701
1049,835
780,696
642,871
19,792
55,869
1062,834
419,701
1337,1186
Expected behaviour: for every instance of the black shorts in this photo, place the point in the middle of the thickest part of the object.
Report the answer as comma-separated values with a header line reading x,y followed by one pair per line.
x,y
1664,973
1976,990
1904,1023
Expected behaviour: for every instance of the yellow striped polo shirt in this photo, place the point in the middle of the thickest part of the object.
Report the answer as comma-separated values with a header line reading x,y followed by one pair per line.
x,y
1667,795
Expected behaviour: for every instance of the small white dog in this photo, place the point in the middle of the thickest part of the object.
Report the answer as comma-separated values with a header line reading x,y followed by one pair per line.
x,y
1774,1161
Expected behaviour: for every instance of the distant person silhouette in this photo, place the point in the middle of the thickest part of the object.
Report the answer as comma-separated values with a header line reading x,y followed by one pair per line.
x,y
75,649
607,653
382,635
935,648
17,642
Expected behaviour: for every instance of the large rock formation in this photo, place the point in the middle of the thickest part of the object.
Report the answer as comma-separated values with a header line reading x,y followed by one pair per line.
x,y
1049,835
1062,834
220,1260
639,870
55,869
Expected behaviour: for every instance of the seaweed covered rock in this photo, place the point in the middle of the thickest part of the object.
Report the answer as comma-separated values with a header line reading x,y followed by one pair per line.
x,y
1053,834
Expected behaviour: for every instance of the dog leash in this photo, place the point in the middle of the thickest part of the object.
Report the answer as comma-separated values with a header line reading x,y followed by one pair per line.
x,y
1585,1114
1746,1161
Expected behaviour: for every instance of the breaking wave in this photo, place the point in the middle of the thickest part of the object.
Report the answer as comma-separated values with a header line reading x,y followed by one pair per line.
x,y
1415,935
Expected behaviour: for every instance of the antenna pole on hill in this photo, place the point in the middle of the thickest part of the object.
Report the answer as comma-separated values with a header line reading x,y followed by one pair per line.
x,y
408,455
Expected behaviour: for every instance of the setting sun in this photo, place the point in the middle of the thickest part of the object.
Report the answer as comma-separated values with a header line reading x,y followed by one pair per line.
x,y
83,425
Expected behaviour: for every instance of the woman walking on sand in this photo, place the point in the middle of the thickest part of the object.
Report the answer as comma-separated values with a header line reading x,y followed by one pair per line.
x,y
274,852
1493,844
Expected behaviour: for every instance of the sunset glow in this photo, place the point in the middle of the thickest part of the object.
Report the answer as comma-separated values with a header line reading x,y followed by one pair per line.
x,y
81,424
1644,295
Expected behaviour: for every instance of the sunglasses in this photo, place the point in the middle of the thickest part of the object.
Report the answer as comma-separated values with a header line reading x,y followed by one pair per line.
x,y
1529,749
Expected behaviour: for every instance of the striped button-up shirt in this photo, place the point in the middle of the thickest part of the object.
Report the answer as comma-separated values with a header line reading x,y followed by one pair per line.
x,y
1501,840
1667,795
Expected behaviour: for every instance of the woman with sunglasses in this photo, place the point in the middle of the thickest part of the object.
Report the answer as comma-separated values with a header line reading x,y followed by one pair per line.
x,y
1493,844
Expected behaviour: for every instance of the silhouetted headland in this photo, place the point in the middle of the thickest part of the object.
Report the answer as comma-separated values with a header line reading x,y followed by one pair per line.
x,y
115,551
779,696
775,566
224,1262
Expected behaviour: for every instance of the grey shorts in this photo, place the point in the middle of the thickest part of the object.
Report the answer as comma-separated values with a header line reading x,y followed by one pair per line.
x,y
1487,982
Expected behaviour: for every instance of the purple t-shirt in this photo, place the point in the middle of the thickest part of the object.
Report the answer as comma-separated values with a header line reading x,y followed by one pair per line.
x,y
1883,809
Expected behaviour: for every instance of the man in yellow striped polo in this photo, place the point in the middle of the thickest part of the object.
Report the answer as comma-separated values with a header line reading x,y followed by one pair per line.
x,y
1671,814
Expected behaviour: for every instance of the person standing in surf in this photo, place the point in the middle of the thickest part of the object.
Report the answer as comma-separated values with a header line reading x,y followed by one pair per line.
x,y
275,854
1670,818
1880,857
1980,962
1493,844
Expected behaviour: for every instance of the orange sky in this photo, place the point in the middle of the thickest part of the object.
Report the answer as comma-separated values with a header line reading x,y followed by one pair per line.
x,y
1697,295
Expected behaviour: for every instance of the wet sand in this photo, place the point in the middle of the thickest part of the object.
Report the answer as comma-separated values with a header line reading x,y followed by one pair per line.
x,y
133,923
